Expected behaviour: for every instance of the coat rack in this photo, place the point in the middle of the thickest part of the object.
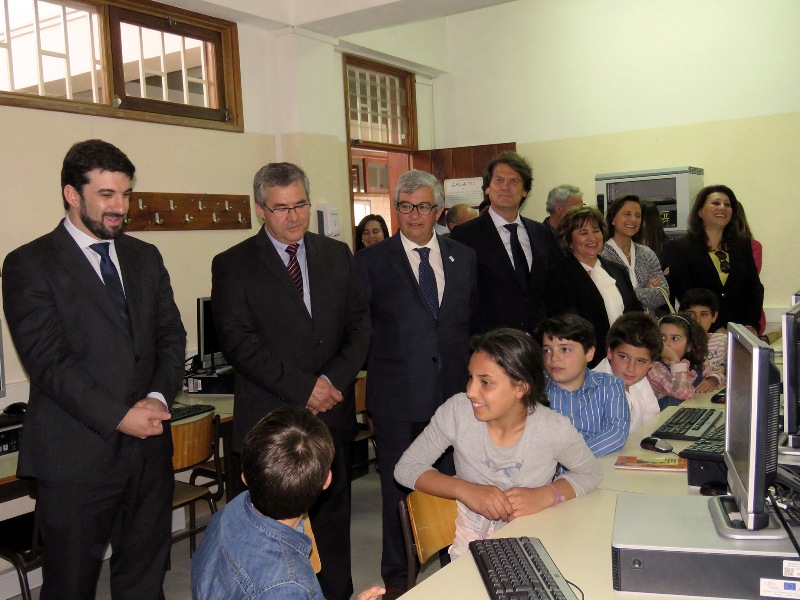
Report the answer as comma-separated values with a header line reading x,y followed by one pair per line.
x,y
160,211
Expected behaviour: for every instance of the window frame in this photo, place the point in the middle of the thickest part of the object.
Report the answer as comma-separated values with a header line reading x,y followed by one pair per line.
x,y
409,84
145,13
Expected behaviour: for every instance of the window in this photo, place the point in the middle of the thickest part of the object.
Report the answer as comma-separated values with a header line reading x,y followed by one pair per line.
x,y
142,61
380,105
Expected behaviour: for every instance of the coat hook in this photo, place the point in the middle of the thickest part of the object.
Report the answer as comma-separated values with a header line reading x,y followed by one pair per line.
x,y
159,220
214,217
188,218
141,204
171,204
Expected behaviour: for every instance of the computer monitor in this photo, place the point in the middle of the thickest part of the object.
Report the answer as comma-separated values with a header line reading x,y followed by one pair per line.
x,y
2,365
208,348
791,376
752,427
796,297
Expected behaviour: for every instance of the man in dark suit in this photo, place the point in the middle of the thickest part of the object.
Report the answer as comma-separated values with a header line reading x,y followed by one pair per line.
x,y
422,292
513,251
294,324
105,359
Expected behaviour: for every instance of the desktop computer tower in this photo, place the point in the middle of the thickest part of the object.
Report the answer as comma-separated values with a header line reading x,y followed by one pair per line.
x,y
669,545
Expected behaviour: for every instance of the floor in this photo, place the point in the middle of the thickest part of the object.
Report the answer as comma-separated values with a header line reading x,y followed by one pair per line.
x,y
366,542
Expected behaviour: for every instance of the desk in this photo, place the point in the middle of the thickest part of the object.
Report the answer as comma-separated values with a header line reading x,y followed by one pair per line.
x,y
576,534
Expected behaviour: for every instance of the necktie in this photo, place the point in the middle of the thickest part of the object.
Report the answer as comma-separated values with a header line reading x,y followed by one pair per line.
x,y
112,281
521,267
294,266
427,282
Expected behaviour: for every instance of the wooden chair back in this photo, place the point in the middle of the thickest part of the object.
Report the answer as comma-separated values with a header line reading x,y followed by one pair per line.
x,y
192,441
429,525
314,558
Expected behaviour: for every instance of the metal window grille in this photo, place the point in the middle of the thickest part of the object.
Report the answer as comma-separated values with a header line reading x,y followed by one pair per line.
x,y
50,49
378,106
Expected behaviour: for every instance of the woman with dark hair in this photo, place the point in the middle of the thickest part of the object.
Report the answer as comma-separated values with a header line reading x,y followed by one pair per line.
x,y
624,218
651,233
370,230
584,282
712,255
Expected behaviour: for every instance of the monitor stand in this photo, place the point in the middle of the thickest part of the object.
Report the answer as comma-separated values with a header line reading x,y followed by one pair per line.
x,y
723,509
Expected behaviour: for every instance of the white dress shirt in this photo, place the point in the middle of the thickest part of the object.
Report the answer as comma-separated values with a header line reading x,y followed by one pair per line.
x,y
505,235
435,258
301,261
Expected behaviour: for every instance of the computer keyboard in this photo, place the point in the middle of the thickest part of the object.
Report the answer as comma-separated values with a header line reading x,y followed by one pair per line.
x,y
709,447
688,424
188,410
519,569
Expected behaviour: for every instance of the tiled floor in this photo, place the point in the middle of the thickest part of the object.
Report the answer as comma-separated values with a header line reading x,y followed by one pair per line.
x,y
366,541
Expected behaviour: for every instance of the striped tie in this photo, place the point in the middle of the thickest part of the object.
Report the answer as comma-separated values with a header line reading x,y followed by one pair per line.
x,y
294,266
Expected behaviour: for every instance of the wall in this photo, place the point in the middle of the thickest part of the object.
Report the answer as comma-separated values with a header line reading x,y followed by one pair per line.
x,y
621,85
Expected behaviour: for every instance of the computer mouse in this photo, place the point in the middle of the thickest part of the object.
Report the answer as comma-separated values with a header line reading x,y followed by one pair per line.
x,y
655,444
719,397
17,408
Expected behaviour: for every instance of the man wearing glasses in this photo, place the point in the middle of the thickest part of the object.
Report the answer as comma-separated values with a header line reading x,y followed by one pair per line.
x,y
294,324
513,251
422,293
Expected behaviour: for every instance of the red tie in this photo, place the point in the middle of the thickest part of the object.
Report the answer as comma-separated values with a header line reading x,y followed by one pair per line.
x,y
294,266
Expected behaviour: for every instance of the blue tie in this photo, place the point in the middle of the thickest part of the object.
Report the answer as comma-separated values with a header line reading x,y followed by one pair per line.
x,y
112,281
427,282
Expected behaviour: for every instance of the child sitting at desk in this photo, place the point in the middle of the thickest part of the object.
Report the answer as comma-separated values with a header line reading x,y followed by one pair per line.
x,y
255,546
703,306
634,343
594,402
507,444
683,364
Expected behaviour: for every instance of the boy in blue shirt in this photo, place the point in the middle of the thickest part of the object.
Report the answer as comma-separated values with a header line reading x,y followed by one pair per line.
x,y
594,402
255,546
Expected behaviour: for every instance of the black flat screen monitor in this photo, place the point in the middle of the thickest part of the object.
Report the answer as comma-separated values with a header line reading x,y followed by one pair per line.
x,y
752,424
796,297
791,376
208,348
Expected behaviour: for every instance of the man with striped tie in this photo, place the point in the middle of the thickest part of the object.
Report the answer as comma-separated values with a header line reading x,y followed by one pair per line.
x,y
422,290
293,322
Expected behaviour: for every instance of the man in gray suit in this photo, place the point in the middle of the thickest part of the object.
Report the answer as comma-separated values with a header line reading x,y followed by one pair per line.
x,y
294,324
422,290
92,315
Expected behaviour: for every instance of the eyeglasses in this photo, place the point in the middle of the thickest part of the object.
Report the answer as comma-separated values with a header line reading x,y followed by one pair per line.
x,y
724,265
424,209
285,210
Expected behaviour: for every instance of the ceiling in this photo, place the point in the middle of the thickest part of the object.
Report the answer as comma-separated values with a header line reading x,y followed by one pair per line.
x,y
335,18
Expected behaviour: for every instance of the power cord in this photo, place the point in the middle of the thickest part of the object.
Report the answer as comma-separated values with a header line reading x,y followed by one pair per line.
x,y
779,512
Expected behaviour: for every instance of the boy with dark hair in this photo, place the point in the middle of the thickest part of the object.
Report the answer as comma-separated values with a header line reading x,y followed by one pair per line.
x,y
634,342
703,306
255,546
594,402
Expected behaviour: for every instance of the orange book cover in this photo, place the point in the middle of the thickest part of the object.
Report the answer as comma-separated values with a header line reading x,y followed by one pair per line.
x,y
656,463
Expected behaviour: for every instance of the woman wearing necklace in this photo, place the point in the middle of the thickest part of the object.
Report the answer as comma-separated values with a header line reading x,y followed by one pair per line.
x,y
584,282
624,218
712,255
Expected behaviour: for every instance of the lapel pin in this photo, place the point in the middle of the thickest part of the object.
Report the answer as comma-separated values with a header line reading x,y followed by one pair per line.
x,y
452,259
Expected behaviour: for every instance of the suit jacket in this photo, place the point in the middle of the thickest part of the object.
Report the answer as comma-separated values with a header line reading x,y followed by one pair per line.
x,y
742,296
502,301
571,289
415,361
86,368
277,349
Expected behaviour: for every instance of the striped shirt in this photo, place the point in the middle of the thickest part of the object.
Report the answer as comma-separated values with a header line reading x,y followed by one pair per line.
x,y
598,410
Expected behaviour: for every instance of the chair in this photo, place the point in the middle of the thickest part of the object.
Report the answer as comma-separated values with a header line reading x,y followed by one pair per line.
x,y
194,443
429,525
210,469
365,430
21,546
